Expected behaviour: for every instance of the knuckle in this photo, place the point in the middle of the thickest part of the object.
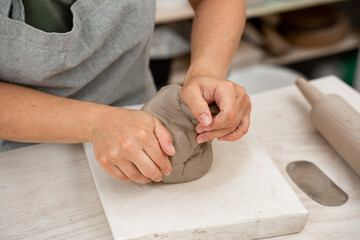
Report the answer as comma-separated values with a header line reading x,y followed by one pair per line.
x,y
185,92
151,172
104,161
126,144
229,139
231,115
245,130
112,154
233,138
240,133
128,180
161,161
247,100
136,176
143,180
210,135
229,124
146,181
241,91
142,134
123,178
250,106
185,88
233,128
230,84
234,86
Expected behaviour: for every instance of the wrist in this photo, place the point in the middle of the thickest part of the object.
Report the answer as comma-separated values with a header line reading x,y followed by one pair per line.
x,y
96,119
204,69
103,120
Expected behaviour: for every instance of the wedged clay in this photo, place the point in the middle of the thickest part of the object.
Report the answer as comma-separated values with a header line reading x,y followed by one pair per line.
x,y
192,160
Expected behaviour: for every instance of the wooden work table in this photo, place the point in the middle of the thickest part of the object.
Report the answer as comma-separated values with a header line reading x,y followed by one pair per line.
x,y
47,190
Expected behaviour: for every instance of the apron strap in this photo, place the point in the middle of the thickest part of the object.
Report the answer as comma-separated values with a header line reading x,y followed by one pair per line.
x,y
13,8
18,10
5,6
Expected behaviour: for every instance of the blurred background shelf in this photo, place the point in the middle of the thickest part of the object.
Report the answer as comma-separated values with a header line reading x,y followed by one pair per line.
x,y
173,14
280,6
302,54
340,58
247,56
184,11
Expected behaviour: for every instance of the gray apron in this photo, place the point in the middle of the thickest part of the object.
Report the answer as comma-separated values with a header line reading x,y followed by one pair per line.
x,y
103,59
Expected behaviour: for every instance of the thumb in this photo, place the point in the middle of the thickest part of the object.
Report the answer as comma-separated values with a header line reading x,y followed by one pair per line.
x,y
164,138
197,104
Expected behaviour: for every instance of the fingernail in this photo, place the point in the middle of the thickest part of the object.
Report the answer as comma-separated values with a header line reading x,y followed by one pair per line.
x,y
172,149
167,171
200,130
203,129
205,119
202,139
158,179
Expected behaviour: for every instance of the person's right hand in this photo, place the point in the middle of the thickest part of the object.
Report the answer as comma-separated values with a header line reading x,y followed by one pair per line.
x,y
132,145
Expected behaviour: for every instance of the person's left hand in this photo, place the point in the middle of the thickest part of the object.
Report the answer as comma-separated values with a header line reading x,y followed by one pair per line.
x,y
233,120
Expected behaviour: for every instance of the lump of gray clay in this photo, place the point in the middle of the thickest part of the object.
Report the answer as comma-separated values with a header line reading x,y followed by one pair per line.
x,y
192,160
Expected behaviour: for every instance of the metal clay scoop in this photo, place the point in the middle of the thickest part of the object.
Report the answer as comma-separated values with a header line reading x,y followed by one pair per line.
x,y
314,182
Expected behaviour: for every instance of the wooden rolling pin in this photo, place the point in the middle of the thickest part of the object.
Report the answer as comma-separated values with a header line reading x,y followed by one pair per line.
x,y
337,122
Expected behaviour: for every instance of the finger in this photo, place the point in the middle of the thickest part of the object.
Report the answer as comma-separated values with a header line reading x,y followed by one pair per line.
x,y
131,171
120,174
209,135
164,138
240,131
158,157
144,165
113,170
244,122
224,119
193,97
218,133
200,128
228,113
231,115
219,124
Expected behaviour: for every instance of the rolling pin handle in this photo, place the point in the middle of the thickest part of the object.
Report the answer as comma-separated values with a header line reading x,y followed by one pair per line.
x,y
310,92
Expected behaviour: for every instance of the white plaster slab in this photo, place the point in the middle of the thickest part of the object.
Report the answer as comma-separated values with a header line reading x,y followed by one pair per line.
x,y
243,196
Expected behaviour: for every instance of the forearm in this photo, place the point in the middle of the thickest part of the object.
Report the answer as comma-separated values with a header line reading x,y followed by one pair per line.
x,y
27,115
216,33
